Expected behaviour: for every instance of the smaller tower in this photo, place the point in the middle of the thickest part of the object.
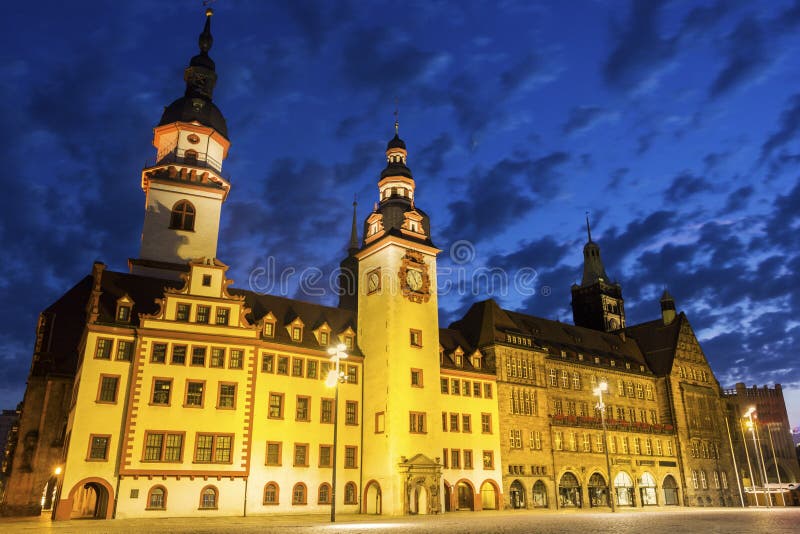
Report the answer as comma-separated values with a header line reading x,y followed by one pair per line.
x,y
597,302
667,308
348,269
185,187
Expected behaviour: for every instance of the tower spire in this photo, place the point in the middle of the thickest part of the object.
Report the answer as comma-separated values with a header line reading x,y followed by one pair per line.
x,y
588,227
354,230
396,117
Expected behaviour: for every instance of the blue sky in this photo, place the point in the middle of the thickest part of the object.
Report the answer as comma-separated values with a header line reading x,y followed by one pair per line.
x,y
675,124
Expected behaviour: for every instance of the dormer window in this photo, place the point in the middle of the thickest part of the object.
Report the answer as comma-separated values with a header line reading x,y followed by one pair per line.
x,y
124,313
323,338
459,358
373,228
414,226
269,325
297,333
348,342
476,361
182,216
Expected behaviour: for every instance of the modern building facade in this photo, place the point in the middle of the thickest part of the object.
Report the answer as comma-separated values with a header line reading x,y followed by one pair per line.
x,y
165,391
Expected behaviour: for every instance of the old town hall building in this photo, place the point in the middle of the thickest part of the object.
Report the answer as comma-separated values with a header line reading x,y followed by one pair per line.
x,y
165,391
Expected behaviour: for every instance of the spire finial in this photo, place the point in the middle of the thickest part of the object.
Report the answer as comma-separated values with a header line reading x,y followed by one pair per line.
x,y
206,40
354,229
396,116
588,227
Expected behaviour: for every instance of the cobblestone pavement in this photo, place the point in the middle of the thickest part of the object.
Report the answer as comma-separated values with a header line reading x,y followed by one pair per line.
x,y
723,521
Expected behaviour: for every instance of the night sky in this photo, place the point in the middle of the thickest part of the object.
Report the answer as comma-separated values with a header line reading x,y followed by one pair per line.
x,y
675,124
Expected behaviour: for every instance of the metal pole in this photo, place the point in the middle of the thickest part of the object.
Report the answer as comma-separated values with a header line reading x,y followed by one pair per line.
x,y
602,407
775,459
335,427
735,467
757,441
749,465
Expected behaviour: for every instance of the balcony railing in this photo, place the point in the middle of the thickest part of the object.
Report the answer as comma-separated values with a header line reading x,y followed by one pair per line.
x,y
611,424
188,157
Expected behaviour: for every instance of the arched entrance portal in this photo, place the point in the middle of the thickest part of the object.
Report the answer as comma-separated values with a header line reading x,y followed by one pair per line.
x,y
623,484
647,490
539,495
488,496
569,491
49,494
373,498
448,497
90,501
465,496
598,490
670,488
517,495
419,500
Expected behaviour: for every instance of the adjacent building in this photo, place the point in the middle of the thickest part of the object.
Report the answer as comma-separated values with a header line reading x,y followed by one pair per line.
x,y
166,391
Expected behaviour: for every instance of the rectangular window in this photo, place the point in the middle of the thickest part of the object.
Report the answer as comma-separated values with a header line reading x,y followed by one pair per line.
x,y
639,391
486,423
659,448
217,357
564,379
488,459
612,445
161,391
276,405
227,396
350,455
624,445
207,280
380,423
301,413
415,337
182,312
476,389
467,459
301,454
416,423
648,446
586,443
535,440
558,441
444,385
283,365
351,413
352,374
124,314
159,354
268,363
669,449
326,411
325,455
273,453
487,391
203,448
179,354
637,446
454,422
323,339
213,448
163,447
455,387
455,458
269,329
466,388
199,356
237,359
222,316
311,369
108,389
416,378
297,333
194,393
103,349
124,350
98,447
466,422
153,445
203,313
444,421
297,367
553,378
445,456
515,438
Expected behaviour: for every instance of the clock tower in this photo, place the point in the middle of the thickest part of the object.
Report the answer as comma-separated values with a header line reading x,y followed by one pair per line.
x,y
398,332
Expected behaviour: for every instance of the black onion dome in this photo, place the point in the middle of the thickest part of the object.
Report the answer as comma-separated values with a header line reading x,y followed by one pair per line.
x,y
396,142
393,211
187,109
396,169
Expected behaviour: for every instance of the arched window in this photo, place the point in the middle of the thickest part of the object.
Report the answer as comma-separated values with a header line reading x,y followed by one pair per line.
x,y
208,498
271,493
299,493
182,217
350,493
157,498
324,495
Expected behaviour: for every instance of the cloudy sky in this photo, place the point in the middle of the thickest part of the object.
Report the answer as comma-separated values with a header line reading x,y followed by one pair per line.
x,y
675,124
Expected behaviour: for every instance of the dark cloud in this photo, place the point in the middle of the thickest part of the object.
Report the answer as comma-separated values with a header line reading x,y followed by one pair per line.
x,y
617,176
746,55
737,200
585,118
789,126
432,157
684,186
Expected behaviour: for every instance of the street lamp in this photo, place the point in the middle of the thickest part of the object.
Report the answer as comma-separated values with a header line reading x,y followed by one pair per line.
x,y
749,464
601,387
334,378
752,427
775,460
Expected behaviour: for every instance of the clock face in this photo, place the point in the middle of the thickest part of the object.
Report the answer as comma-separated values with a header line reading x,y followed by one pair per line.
x,y
373,281
414,279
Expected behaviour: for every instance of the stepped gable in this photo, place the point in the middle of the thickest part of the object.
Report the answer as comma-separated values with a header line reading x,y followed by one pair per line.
x,y
658,342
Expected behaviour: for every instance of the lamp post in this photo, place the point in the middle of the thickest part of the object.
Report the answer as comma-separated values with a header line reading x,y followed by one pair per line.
x,y
749,464
760,458
601,387
334,378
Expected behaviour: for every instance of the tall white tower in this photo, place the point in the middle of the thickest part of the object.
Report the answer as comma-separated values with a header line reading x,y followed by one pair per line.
x,y
185,188
398,331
